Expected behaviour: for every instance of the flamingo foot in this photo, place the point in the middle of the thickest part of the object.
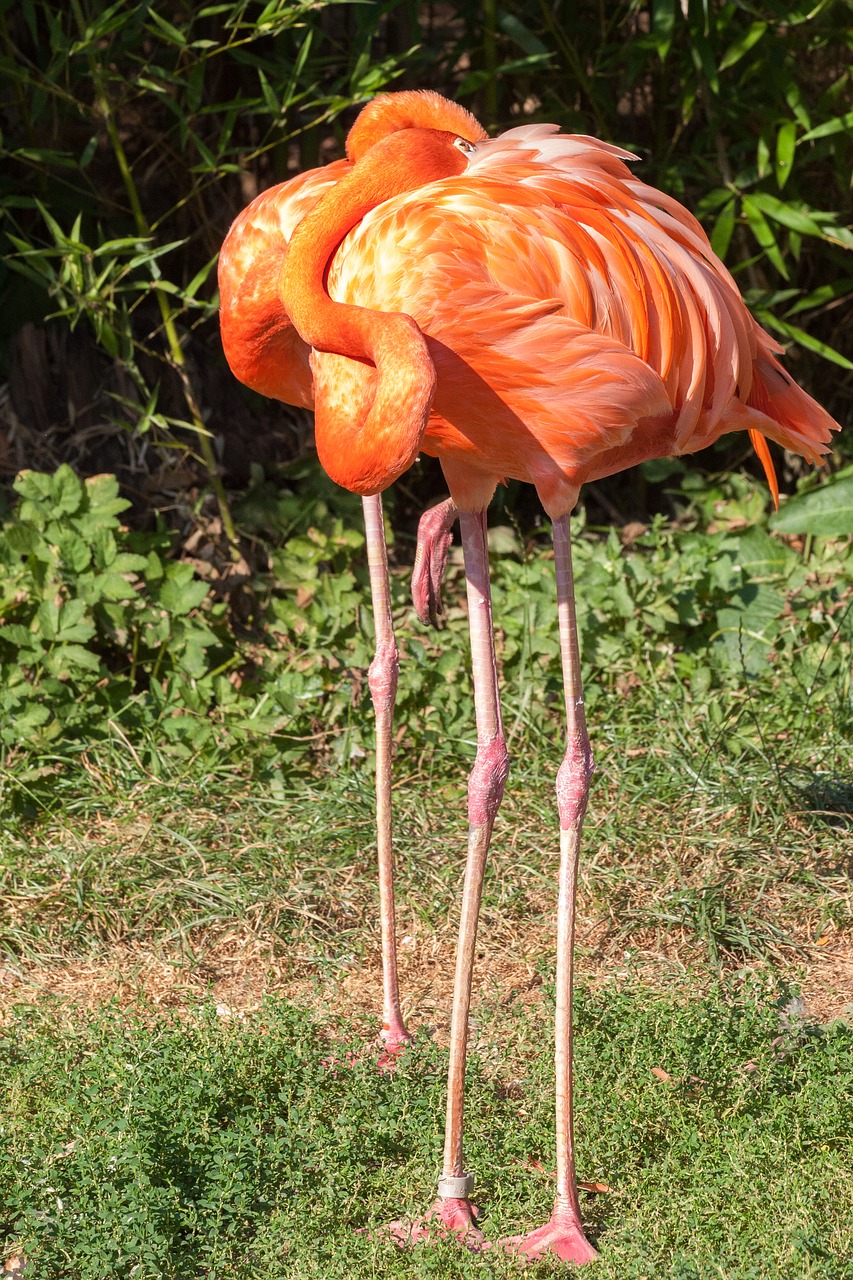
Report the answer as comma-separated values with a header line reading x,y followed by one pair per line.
x,y
563,1235
448,1216
395,1040
434,541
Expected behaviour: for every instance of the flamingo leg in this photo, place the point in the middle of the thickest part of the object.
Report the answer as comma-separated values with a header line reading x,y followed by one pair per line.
x,y
434,539
485,792
453,1210
382,679
564,1234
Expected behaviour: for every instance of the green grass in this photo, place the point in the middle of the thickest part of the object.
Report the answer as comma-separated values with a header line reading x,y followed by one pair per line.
x,y
147,1147
194,830
727,846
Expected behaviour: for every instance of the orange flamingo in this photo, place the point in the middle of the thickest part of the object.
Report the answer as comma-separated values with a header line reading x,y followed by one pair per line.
x,y
522,307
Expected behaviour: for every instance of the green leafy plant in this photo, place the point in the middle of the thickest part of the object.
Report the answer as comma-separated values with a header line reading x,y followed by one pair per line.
x,y
94,618
103,632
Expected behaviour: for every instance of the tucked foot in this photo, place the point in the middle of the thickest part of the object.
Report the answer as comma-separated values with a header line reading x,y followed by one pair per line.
x,y
434,541
563,1235
448,1216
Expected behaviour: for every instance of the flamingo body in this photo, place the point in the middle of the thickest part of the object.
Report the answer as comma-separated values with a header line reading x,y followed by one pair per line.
x,y
577,319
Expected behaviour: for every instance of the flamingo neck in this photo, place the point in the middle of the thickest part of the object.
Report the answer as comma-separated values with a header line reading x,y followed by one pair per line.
x,y
366,451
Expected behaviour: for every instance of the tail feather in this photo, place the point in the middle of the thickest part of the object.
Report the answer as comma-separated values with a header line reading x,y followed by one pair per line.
x,y
785,413
759,444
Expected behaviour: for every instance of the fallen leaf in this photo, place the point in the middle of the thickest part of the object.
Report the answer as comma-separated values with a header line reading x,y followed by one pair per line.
x,y
599,1188
662,1075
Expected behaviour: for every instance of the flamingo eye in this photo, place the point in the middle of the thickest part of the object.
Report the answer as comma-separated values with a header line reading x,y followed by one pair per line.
x,y
464,145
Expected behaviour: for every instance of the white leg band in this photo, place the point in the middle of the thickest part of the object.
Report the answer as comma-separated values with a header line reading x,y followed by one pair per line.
x,y
450,1188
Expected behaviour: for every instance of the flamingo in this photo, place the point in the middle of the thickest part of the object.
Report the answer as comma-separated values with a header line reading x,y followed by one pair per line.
x,y
522,307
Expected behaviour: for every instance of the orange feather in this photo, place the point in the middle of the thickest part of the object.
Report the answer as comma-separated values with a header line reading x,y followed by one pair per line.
x,y
577,320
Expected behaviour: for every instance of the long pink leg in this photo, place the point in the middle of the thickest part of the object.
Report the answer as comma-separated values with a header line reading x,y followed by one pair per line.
x,y
382,679
434,539
453,1209
564,1234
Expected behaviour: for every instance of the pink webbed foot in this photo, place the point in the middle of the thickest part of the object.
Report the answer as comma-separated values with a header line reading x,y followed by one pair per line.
x,y
448,1216
434,541
563,1235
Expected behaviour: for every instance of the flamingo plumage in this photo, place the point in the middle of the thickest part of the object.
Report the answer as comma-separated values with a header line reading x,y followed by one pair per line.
x,y
524,308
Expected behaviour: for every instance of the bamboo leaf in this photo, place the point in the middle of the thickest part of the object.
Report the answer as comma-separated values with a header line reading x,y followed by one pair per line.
x,y
723,229
663,26
840,124
786,144
786,214
740,47
806,340
763,233
172,33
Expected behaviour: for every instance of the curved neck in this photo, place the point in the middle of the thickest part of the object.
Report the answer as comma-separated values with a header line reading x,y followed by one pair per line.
x,y
384,443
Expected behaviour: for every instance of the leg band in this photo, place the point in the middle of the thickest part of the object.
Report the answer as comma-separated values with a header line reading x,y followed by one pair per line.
x,y
450,1188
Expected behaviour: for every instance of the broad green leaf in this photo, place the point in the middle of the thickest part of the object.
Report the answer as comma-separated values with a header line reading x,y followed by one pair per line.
x,y
824,512
759,554
746,628
34,485
48,619
72,659
128,562
66,491
179,598
30,717
110,586
75,632
75,553
20,636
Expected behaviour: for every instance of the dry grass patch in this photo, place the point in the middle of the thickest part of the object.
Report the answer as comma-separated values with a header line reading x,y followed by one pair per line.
x,y
171,896
238,970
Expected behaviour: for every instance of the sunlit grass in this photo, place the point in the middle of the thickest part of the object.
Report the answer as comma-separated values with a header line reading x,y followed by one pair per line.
x,y
719,1124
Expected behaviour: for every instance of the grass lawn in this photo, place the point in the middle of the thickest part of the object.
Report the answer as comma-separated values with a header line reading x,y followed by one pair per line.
x,y
189,981
152,1145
